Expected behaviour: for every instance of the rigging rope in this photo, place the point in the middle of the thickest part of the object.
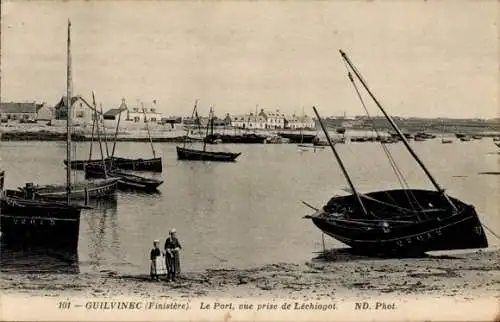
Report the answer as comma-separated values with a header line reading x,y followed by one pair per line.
x,y
397,171
73,152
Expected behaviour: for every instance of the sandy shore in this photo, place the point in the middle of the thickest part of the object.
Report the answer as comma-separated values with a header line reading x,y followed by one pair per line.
x,y
335,275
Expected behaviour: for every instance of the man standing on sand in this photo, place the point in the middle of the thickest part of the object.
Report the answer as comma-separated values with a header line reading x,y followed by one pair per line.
x,y
172,248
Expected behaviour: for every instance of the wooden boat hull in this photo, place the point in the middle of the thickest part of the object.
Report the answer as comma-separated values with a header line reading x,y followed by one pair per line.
x,y
395,232
126,181
236,139
31,224
298,138
197,155
96,189
153,165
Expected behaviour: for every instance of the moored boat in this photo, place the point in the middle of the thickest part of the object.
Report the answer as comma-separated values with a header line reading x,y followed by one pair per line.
x,y
298,137
200,155
127,181
29,224
152,164
184,153
465,138
89,189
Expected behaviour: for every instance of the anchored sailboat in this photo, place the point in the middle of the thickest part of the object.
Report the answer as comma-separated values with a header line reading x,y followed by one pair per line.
x,y
184,153
402,221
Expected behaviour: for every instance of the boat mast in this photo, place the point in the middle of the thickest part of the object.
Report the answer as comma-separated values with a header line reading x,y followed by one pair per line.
x,y
208,126
116,132
346,175
396,128
104,130
96,115
192,116
92,140
212,127
149,135
68,116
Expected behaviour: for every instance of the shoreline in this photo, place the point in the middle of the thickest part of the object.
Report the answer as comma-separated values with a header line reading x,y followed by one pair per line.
x,y
336,274
59,136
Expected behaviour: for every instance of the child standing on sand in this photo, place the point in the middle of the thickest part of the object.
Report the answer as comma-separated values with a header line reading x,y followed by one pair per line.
x,y
157,261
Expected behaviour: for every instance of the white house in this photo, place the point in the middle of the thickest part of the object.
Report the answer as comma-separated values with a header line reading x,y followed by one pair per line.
x,y
274,120
114,113
144,113
249,121
81,111
46,113
19,111
300,122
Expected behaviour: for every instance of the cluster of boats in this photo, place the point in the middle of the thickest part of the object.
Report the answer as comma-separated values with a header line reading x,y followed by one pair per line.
x,y
48,216
403,221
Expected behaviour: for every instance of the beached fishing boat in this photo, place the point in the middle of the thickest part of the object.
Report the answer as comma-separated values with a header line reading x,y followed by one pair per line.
x,y
184,153
398,222
497,144
26,223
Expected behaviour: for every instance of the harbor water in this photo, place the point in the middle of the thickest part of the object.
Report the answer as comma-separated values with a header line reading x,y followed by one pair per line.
x,y
247,213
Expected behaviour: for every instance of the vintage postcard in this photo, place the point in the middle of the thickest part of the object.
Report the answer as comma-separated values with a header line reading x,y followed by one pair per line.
x,y
249,161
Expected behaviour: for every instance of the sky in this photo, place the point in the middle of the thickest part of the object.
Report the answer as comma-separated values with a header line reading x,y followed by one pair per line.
x,y
420,58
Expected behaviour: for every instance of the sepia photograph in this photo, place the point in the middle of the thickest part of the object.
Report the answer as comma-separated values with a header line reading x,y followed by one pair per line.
x,y
250,160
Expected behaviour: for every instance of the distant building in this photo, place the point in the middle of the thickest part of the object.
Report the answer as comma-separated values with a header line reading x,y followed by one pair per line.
x,y
300,122
172,122
262,120
81,111
274,120
114,113
46,113
227,120
249,121
23,112
144,113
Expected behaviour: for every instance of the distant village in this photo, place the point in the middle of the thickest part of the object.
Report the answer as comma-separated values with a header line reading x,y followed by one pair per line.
x,y
148,112
144,112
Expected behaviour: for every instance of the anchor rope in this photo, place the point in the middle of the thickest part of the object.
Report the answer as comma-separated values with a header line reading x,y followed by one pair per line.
x,y
490,230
